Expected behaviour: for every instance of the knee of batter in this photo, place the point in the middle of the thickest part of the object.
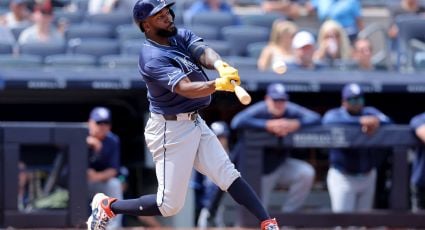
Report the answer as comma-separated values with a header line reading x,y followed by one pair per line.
x,y
170,207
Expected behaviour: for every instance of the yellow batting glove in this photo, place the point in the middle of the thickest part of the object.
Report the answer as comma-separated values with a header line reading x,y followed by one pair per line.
x,y
225,70
224,84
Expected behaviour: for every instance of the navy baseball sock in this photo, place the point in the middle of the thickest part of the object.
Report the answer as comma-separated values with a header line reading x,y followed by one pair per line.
x,y
142,206
243,194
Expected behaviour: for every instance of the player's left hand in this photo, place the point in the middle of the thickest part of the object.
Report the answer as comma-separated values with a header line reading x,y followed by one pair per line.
x,y
227,71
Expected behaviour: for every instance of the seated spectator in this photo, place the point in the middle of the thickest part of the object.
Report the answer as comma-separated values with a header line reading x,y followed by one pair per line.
x,y
303,44
417,178
346,12
292,9
362,55
109,6
412,7
352,175
19,15
202,6
333,43
279,48
104,158
43,30
280,117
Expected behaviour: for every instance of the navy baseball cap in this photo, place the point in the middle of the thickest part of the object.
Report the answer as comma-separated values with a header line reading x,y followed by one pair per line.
x,y
351,90
101,115
277,92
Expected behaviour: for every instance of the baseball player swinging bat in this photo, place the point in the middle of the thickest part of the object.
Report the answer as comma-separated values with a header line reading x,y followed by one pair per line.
x,y
241,93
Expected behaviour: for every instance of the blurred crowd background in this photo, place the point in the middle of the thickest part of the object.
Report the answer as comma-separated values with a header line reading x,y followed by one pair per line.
x,y
381,36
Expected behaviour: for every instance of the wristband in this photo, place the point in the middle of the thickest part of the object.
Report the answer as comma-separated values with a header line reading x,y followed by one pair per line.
x,y
218,64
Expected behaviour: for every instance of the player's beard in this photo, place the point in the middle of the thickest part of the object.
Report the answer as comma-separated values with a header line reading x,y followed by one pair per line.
x,y
167,33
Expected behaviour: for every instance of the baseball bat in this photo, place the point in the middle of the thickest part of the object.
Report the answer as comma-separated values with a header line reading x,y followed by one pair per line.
x,y
241,93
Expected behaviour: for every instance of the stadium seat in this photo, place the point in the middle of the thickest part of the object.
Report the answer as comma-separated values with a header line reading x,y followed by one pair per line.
x,y
221,47
410,27
242,62
20,61
206,32
239,37
70,17
264,19
70,60
85,31
6,48
131,47
128,32
120,61
214,19
254,49
42,49
112,20
95,47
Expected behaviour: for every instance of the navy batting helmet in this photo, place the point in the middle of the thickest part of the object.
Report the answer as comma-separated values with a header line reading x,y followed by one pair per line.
x,y
220,128
146,8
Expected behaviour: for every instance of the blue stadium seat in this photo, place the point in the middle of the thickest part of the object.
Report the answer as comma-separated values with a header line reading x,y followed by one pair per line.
x,y
239,37
42,49
70,17
6,48
410,27
254,49
95,47
221,47
206,32
131,47
112,19
242,62
214,19
120,61
264,19
128,32
85,31
20,61
70,60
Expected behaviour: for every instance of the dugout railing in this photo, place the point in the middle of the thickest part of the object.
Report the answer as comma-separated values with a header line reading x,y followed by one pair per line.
x,y
69,139
398,138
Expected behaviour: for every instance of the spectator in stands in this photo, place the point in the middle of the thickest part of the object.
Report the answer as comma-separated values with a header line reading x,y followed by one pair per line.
x,y
346,12
203,6
292,9
362,56
351,178
19,15
279,47
109,6
333,44
303,45
417,179
104,158
412,7
207,194
277,115
43,30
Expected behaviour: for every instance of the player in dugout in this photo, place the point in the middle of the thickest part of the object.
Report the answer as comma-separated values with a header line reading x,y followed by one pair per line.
x,y
171,63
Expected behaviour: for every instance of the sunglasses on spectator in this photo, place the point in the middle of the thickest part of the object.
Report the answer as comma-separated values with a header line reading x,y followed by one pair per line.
x,y
355,101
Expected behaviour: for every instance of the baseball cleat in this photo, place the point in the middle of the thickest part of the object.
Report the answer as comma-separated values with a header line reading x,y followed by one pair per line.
x,y
270,224
101,212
